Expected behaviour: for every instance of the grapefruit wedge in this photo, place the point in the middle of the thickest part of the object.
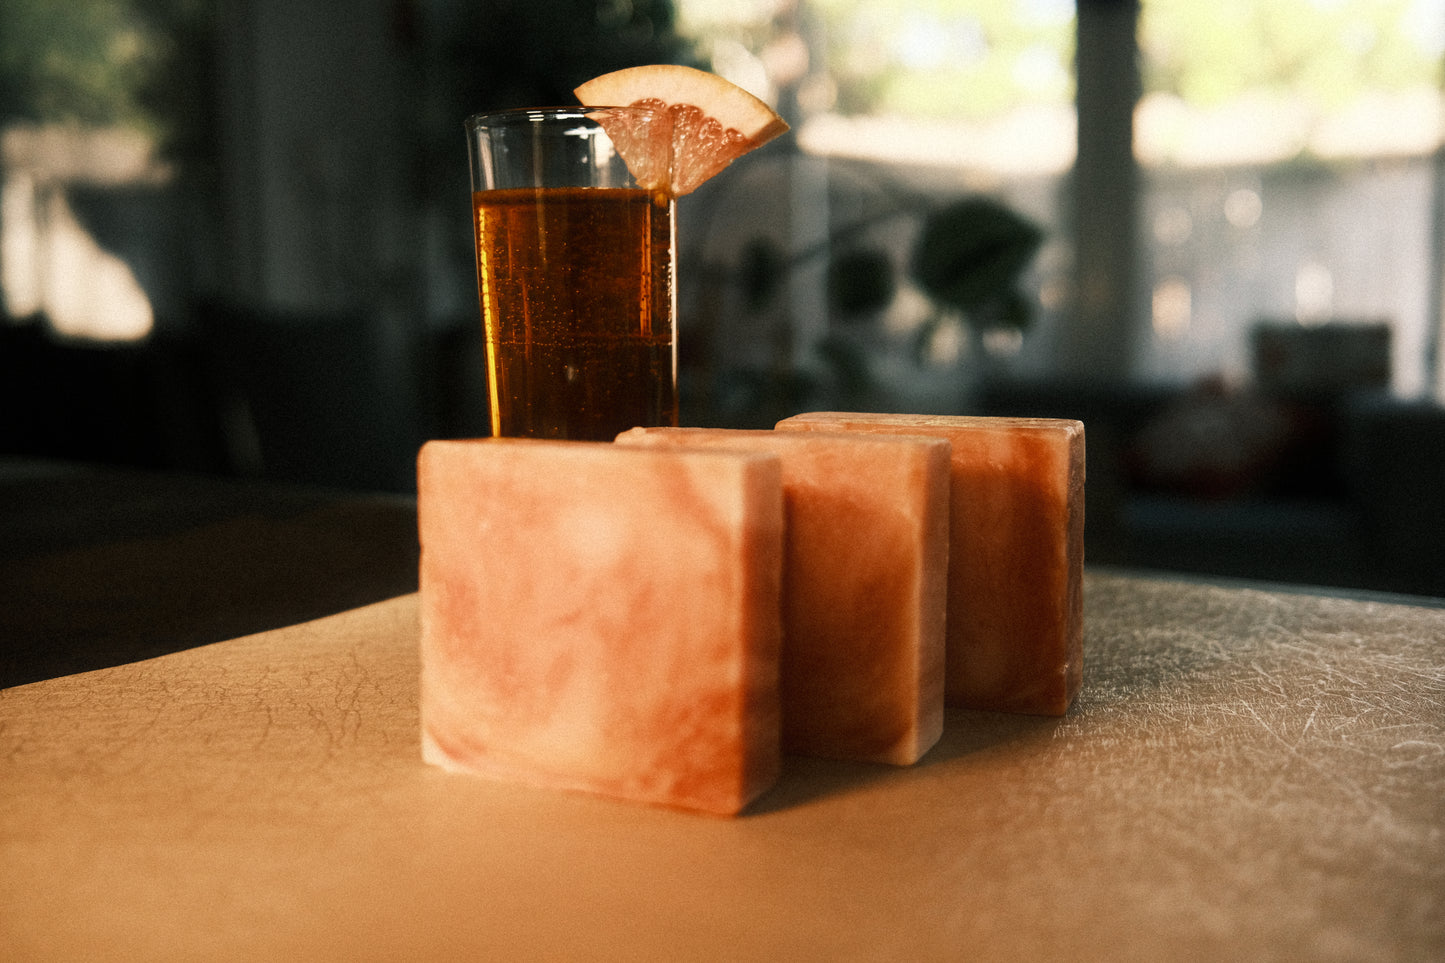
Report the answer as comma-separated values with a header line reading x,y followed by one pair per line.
x,y
712,122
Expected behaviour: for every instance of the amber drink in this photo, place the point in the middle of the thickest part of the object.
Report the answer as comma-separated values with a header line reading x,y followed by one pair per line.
x,y
574,277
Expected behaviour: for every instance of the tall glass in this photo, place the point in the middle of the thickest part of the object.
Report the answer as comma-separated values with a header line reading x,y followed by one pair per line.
x,y
575,275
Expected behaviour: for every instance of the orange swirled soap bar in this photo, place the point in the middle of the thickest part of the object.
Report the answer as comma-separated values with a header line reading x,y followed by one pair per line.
x,y
865,563
1016,553
602,618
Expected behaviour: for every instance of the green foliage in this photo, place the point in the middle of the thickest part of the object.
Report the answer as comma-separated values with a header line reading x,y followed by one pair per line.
x,y
969,258
79,61
140,64
1209,53
948,58
979,59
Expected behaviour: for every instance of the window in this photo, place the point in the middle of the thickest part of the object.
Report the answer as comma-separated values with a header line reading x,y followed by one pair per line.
x,y
1286,150
1290,176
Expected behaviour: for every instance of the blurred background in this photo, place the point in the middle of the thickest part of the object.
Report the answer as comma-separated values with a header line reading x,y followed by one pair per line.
x,y
234,241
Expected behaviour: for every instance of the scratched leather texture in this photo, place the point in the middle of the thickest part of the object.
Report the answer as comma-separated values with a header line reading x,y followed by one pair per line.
x,y
1245,775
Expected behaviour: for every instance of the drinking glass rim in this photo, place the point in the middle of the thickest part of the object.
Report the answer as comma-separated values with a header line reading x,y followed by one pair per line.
x,y
511,115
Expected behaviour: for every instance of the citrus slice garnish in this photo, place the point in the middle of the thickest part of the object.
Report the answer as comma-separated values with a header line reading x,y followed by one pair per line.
x,y
713,122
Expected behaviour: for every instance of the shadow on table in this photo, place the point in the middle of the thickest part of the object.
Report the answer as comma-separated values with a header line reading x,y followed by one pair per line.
x,y
965,733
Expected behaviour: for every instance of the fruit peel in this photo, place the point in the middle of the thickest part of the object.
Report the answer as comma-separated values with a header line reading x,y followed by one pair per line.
x,y
710,123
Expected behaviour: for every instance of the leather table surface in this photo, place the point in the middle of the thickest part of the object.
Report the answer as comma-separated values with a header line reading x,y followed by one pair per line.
x,y
1247,774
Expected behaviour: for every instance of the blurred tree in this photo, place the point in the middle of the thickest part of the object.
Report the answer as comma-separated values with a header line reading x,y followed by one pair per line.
x,y
138,64
948,58
81,61
88,61
976,59
1209,53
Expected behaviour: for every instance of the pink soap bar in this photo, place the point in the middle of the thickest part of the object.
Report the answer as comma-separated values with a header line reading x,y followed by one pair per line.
x,y
864,569
1016,554
602,618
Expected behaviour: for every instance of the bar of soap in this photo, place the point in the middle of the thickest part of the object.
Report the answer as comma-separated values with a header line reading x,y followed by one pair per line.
x,y
1016,554
864,586
602,619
